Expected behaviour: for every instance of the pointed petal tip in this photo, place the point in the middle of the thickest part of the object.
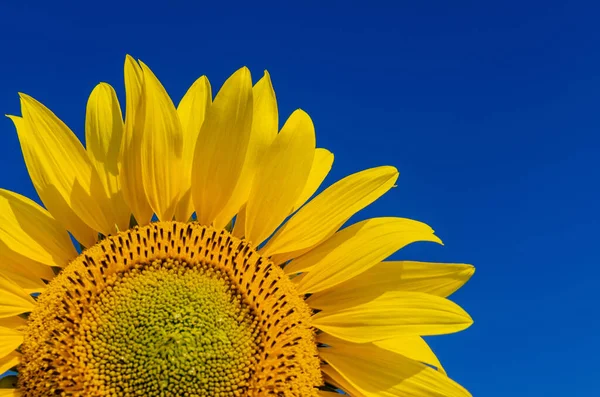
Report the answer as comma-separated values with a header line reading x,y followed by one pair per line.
x,y
129,60
301,112
244,71
24,97
469,271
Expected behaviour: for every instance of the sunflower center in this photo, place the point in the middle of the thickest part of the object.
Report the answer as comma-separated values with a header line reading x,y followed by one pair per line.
x,y
170,309
191,321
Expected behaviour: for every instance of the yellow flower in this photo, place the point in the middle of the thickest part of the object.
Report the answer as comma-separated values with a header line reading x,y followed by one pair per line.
x,y
206,268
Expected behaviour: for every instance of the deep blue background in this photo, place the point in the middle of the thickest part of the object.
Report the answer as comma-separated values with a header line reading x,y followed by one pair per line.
x,y
490,112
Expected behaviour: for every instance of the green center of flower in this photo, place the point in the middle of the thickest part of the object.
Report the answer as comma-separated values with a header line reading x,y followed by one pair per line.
x,y
170,329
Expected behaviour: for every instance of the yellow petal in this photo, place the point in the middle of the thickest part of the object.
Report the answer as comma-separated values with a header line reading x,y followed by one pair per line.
x,y
61,169
54,187
10,393
131,168
239,227
222,146
24,277
265,120
9,361
103,137
371,371
191,111
328,211
262,133
281,177
29,230
355,249
439,279
13,322
394,314
11,339
321,166
162,148
413,347
13,300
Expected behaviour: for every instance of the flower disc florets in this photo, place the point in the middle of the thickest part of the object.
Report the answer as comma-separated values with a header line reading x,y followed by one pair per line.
x,y
170,309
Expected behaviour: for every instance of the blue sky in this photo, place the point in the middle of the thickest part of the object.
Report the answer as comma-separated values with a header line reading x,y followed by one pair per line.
x,y
489,111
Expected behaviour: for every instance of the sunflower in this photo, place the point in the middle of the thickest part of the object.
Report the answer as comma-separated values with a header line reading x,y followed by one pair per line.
x,y
180,254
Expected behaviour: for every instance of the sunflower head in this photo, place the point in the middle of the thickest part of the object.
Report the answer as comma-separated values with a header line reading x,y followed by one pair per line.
x,y
231,280
168,307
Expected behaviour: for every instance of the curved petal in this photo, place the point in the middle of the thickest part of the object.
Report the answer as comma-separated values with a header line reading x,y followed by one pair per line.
x,y
10,393
328,211
281,177
265,119
25,278
222,146
162,148
12,322
191,111
439,279
413,347
321,166
13,300
131,151
61,169
29,230
11,339
393,314
9,361
263,132
375,372
354,250
239,227
103,137
51,195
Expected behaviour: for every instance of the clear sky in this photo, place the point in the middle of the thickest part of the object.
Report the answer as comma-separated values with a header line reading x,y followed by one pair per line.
x,y
490,110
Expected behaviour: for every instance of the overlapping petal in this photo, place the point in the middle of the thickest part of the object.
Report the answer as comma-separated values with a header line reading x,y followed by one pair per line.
x,y
13,300
354,250
191,111
328,211
11,339
222,147
262,134
440,279
9,393
162,148
391,315
370,371
9,361
31,231
322,162
59,191
103,137
281,177
60,167
131,163
413,347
